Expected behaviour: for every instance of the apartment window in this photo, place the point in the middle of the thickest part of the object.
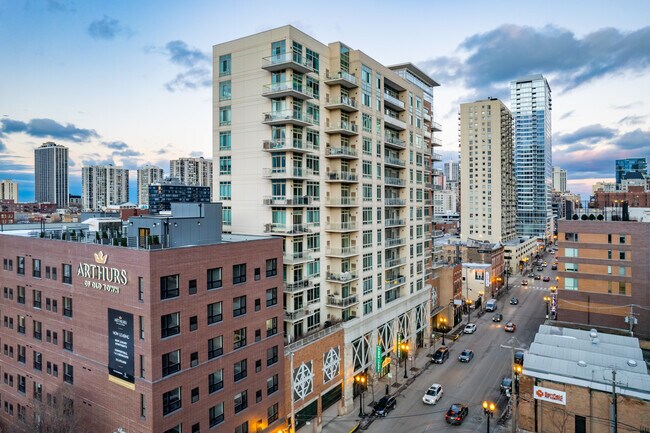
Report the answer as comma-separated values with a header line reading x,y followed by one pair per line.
x,y
272,384
36,268
21,354
195,395
38,328
215,347
367,169
226,215
239,273
67,306
573,237
67,273
170,324
621,239
21,384
367,192
171,362
194,323
68,373
37,298
367,285
169,287
367,261
571,252
271,326
571,267
241,401
225,64
240,370
367,238
38,361
367,215
570,284
20,265
622,271
224,165
214,278
258,275
225,140
271,355
38,391
21,295
215,312
171,401
239,339
142,366
194,359
215,381
239,306
367,307
216,415
242,428
143,406
225,116
176,429
271,296
609,238
68,338
621,255
54,273
609,254
258,335
225,89
271,267
273,413
21,323
621,287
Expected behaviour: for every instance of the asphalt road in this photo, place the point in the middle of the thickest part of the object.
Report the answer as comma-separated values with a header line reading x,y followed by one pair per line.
x,y
478,380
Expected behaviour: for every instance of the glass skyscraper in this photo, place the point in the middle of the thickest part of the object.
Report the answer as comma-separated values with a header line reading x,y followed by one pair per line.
x,y
531,107
628,165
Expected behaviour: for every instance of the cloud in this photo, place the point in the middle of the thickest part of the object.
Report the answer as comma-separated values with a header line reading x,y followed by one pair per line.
x,y
590,134
567,115
56,6
191,79
196,66
3,147
181,54
634,104
496,57
47,128
632,120
196,154
634,140
116,145
107,28
127,152
97,161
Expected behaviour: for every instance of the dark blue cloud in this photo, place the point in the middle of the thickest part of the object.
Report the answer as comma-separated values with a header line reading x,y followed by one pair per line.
x,y
496,57
588,134
97,161
47,128
115,145
181,54
567,115
127,152
632,120
191,79
196,66
3,147
635,140
107,28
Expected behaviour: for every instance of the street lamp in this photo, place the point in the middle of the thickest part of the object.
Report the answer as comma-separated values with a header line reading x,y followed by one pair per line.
x,y
488,410
443,321
405,350
547,299
515,383
360,379
481,293
469,311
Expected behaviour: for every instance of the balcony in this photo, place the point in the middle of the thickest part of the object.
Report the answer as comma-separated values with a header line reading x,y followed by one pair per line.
x,y
427,134
289,229
394,282
392,263
342,252
343,103
341,277
395,181
343,128
394,142
289,173
437,233
427,116
395,242
394,162
394,202
436,141
287,201
284,61
394,222
297,286
341,202
341,78
393,102
292,316
286,88
394,123
338,302
288,146
343,152
297,258
436,127
288,117
341,227
341,176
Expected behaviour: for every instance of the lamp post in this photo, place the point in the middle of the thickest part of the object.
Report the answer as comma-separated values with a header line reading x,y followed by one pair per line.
x,y
405,350
360,379
488,410
443,321
469,311
547,299
507,273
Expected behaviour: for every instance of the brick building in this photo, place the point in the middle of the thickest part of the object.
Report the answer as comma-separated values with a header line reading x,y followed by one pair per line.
x,y
635,196
182,337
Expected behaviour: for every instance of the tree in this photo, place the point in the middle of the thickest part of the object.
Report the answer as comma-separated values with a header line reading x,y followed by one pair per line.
x,y
575,216
56,415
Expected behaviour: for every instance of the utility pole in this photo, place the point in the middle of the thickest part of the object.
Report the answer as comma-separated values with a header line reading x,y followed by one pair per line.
x,y
631,319
614,414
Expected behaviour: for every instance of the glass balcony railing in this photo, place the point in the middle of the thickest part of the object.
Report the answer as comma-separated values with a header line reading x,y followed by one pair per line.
x,y
297,286
343,126
394,282
287,60
341,277
391,139
336,301
395,161
395,242
287,201
394,201
342,201
346,251
287,87
342,76
288,145
341,151
285,172
394,222
394,181
343,176
289,116
352,225
391,263
393,100
344,100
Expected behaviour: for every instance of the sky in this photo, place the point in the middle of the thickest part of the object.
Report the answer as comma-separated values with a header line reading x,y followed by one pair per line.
x,y
129,82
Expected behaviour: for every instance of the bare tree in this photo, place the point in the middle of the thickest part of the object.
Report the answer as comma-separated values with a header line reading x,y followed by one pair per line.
x,y
56,415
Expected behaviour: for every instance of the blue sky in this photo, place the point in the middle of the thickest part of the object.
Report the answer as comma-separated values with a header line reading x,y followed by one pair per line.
x,y
129,82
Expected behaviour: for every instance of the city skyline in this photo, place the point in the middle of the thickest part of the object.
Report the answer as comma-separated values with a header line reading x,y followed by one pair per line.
x,y
136,91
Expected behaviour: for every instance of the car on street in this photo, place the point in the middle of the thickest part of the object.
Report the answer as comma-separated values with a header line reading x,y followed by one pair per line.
x,y
519,357
554,268
385,405
456,413
538,277
506,384
510,327
514,301
470,328
547,278
540,269
524,283
544,264
497,317
531,275
466,355
433,394
440,356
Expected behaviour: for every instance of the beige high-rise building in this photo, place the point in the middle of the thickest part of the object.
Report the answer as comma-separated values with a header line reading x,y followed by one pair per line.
x,y
9,190
333,151
51,183
103,185
192,171
487,175
147,175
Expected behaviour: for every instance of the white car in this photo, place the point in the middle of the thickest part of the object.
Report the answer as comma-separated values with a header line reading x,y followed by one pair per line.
x,y
433,394
470,328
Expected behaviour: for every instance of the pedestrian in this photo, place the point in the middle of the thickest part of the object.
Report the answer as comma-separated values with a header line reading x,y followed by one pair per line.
x,y
386,389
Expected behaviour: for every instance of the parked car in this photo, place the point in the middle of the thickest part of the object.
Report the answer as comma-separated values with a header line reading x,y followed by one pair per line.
x,y
491,305
544,264
385,405
470,328
510,327
433,394
440,356
554,267
538,277
466,356
531,275
456,413
514,301
506,384
497,317
547,278
519,357
524,283
540,269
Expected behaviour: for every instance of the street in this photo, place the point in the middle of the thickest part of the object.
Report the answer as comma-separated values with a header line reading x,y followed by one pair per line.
x,y
472,383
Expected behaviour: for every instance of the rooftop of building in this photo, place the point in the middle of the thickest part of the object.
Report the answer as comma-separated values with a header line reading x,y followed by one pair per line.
x,y
588,359
527,78
415,71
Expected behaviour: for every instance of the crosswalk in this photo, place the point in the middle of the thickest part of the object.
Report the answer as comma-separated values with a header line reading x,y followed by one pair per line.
x,y
542,288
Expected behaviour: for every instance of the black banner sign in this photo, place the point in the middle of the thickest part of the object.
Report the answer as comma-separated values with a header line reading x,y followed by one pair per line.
x,y
120,345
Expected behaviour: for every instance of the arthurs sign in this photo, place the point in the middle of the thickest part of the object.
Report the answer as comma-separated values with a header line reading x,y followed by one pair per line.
x,y
551,395
108,277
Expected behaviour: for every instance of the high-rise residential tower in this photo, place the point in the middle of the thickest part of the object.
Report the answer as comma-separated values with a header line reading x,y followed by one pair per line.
x,y
146,176
487,179
104,185
328,148
530,98
51,174
9,190
191,171
451,170
559,179
629,165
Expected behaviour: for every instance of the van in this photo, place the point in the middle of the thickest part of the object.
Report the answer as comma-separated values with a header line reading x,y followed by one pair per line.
x,y
491,305
440,356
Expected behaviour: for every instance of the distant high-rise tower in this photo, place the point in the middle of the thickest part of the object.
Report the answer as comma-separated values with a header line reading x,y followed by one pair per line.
x,y
104,185
531,106
624,166
487,182
51,174
452,174
559,179
192,171
9,190
146,176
